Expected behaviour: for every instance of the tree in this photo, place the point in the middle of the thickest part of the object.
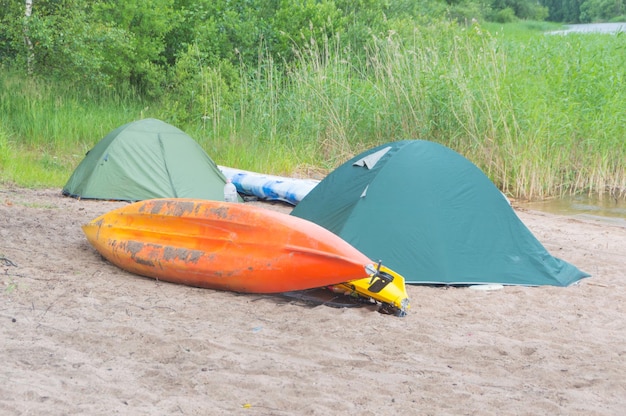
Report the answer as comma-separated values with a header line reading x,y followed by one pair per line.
x,y
28,10
563,10
601,10
523,9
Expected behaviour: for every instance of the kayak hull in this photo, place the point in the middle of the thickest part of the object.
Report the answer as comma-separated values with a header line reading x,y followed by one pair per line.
x,y
226,246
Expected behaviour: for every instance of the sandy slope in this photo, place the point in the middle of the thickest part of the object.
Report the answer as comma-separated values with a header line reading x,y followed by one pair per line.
x,y
79,336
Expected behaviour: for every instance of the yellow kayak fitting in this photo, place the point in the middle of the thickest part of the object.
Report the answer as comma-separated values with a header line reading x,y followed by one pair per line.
x,y
383,285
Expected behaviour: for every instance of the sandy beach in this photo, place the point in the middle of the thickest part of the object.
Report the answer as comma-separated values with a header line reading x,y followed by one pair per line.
x,y
81,337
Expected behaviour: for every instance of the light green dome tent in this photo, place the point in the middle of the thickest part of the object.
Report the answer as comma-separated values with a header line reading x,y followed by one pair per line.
x,y
431,215
146,159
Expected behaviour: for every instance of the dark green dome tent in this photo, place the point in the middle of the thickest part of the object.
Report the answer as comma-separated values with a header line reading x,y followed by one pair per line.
x,y
146,159
433,216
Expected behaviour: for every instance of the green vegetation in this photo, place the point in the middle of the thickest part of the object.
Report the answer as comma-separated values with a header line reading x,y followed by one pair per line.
x,y
47,127
540,114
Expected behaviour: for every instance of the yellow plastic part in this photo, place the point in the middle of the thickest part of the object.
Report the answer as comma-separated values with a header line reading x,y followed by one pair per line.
x,y
383,285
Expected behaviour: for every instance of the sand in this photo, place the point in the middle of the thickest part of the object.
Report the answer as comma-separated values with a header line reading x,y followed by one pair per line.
x,y
82,337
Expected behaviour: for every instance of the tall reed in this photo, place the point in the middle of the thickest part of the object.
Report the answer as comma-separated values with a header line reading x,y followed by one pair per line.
x,y
46,128
541,115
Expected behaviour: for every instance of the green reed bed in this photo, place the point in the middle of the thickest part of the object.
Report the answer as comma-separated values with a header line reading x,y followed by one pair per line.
x,y
569,96
46,128
541,115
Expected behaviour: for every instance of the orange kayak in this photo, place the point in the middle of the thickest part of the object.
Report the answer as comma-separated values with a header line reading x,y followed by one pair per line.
x,y
225,246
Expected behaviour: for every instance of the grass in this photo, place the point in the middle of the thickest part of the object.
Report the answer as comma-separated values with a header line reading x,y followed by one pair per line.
x,y
541,115
46,128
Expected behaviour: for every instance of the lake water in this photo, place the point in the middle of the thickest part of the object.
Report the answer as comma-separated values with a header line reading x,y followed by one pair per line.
x,y
592,28
605,209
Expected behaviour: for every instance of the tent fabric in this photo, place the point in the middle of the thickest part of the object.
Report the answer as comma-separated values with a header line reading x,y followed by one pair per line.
x,y
433,216
146,159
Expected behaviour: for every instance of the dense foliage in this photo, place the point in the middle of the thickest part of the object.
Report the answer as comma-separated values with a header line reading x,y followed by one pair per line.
x,y
307,83
149,45
585,11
